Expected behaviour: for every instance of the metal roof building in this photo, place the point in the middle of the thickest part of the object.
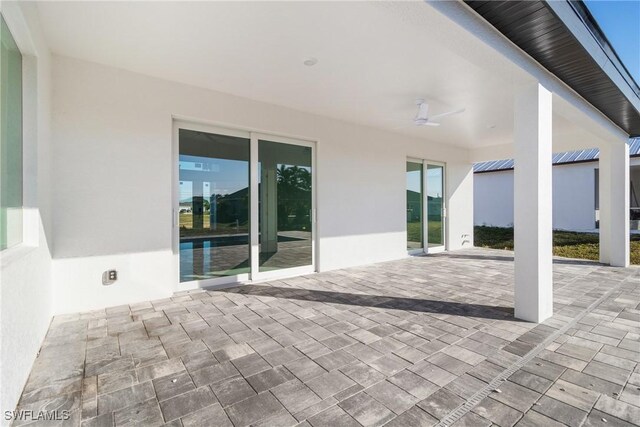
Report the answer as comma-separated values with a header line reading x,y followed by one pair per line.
x,y
589,155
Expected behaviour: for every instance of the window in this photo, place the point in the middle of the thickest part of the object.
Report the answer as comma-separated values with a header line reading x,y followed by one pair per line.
x,y
245,205
10,139
284,205
214,205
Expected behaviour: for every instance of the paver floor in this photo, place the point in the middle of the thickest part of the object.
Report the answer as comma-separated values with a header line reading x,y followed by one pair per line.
x,y
414,342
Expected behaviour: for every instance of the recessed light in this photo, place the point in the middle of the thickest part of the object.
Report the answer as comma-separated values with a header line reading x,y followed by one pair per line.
x,y
310,62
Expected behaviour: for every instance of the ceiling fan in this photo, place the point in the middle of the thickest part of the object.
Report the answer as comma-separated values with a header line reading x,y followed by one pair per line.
x,y
423,119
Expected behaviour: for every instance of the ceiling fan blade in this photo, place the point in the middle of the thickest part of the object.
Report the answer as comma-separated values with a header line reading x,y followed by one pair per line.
x,y
438,116
427,123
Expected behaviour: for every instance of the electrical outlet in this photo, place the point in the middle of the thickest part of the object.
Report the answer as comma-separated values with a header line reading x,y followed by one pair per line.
x,y
109,277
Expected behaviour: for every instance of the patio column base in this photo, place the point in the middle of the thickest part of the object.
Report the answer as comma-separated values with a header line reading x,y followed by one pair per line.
x,y
533,237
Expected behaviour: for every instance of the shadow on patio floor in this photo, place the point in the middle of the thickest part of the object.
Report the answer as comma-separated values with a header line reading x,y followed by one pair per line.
x,y
378,301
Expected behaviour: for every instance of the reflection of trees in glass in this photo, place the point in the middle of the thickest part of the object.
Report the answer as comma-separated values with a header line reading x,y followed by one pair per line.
x,y
230,208
221,214
294,198
434,208
414,206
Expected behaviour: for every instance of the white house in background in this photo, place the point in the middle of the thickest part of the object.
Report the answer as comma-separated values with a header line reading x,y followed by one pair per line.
x,y
289,128
575,190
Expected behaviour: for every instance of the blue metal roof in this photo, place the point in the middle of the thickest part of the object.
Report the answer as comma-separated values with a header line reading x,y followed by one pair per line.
x,y
558,158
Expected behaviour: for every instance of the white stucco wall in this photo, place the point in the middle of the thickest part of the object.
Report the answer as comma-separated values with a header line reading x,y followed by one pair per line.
x,y
573,197
26,274
493,199
459,215
112,181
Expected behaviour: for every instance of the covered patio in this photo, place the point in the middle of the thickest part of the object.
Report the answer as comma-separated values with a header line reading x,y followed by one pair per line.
x,y
425,340
302,152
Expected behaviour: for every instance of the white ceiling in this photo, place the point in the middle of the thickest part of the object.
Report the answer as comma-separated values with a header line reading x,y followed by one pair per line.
x,y
374,59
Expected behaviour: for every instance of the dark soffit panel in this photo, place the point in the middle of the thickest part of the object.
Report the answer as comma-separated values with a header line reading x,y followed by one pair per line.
x,y
564,38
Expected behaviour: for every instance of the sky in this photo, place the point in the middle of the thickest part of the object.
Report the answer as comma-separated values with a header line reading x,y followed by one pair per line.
x,y
434,181
219,176
222,176
620,22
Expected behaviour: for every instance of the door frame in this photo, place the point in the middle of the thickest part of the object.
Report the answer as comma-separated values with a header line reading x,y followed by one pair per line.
x,y
254,274
425,208
416,251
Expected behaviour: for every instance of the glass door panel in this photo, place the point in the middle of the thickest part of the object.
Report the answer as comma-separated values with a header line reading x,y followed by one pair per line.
x,y
284,206
11,180
414,205
213,205
435,206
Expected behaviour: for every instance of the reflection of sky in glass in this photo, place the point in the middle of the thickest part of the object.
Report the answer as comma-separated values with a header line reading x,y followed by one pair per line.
x,y
413,181
218,176
434,180
202,164
186,190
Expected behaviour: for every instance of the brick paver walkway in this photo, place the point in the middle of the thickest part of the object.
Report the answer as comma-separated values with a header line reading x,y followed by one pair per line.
x,y
420,341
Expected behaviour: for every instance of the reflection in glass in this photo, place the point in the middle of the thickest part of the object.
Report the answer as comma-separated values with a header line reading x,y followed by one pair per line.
x,y
214,205
434,205
414,205
285,204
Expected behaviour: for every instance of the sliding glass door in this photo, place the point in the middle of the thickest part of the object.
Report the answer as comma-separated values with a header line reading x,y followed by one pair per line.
x,y
213,205
284,205
245,205
425,209
415,209
435,206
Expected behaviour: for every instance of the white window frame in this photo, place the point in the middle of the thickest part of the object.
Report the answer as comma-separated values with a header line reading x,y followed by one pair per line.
x,y
30,130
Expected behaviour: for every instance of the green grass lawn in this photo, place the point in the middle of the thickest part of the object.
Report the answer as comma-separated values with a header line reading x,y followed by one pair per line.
x,y
186,226
565,243
414,231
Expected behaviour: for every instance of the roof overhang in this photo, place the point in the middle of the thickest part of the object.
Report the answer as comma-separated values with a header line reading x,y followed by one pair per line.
x,y
563,37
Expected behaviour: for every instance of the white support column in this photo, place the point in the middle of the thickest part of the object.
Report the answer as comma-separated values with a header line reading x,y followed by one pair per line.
x,y
614,203
533,204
